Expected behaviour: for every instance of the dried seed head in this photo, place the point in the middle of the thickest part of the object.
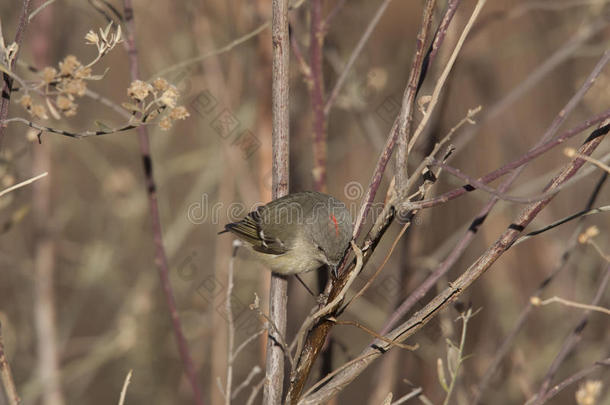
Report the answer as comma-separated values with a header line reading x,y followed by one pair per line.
x,y
160,84
82,73
165,124
38,111
139,90
26,101
169,97
48,74
179,113
75,87
69,65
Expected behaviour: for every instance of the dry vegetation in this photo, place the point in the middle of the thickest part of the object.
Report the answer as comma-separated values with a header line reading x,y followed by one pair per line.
x,y
111,262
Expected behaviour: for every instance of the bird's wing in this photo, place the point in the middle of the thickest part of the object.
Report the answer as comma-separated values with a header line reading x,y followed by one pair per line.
x,y
249,230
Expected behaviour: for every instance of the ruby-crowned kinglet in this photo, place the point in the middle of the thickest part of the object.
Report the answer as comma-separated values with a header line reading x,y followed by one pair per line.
x,y
297,233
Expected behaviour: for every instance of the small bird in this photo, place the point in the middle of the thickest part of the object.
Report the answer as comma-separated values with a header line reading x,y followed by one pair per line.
x,y
297,233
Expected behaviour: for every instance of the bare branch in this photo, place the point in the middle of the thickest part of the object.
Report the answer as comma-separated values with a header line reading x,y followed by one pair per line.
x,y
151,188
7,377
405,117
575,378
125,386
22,184
274,376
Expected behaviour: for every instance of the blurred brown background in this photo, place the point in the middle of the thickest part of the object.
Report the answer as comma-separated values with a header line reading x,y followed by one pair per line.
x,y
85,248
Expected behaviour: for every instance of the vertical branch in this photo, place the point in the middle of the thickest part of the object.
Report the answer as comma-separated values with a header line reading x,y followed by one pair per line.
x,y
231,329
160,255
408,101
274,376
44,246
317,32
7,377
7,81
317,96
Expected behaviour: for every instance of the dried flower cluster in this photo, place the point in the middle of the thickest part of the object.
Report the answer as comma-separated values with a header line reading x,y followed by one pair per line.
x,y
62,85
150,100
589,392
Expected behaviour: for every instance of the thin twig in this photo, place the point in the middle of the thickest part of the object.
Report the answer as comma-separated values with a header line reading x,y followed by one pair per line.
x,y
574,378
354,55
23,183
568,303
317,32
415,393
256,370
381,266
465,317
562,221
160,254
333,13
298,55
77,135
125,385
40,8
405,118
246,342
271,327
570,342
599,250
224,49
230,328
570,152
215,52
373,333
316,38
329,376
7,377
441,31
476,184
445,74
255,390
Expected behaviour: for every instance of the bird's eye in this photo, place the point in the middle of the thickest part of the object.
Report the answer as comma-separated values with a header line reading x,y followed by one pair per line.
x,y
320,249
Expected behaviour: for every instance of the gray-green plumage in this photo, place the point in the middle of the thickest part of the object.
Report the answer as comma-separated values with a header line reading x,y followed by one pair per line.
x,y
297,233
